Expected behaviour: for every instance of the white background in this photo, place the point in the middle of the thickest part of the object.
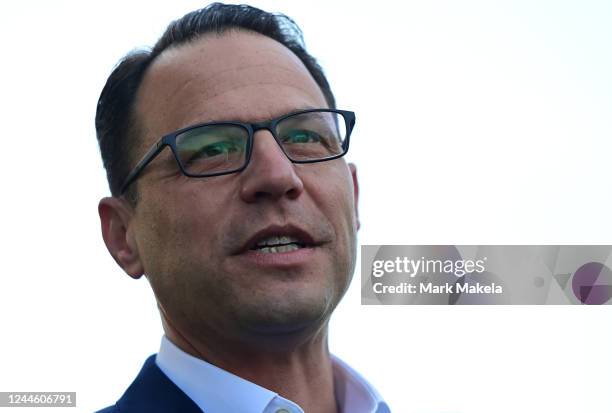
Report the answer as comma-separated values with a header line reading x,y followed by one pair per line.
x,y
478,122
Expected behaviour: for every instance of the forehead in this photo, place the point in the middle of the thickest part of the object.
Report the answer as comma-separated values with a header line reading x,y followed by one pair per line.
x,y
238,75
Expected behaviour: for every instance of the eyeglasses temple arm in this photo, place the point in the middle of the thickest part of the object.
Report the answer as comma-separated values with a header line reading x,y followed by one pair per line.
x,y
148,157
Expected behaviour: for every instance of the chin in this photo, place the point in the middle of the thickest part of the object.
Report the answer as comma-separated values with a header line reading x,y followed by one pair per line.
x,y
290,317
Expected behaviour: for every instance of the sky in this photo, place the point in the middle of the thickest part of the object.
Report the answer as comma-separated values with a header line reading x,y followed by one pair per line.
x,y
478,122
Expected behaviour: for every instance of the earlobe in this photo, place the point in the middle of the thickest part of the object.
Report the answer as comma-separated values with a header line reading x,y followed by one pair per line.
x,y
353,170
115,218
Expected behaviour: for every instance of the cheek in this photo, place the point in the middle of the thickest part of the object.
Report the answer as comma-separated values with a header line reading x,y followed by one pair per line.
x,y
332,192
175,230
177,242
334,195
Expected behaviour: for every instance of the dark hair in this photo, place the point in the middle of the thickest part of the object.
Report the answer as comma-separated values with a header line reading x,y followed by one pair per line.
x,y
116,126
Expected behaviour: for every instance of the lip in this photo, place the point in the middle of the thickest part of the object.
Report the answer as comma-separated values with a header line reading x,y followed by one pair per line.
x,y
291,259
278,230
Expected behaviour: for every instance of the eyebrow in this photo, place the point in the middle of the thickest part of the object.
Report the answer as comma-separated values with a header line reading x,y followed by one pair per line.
x,y
295,109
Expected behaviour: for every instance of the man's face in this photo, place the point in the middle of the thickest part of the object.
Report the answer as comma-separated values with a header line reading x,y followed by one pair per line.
x,y
195,236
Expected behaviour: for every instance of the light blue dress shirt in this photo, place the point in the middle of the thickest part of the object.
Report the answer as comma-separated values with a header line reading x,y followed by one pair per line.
x,y
214,390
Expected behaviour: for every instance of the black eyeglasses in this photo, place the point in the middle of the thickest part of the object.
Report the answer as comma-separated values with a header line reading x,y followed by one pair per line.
x,y
220,148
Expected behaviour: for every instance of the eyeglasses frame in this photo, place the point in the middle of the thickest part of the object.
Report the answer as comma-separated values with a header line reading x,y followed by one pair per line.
x,y
270,125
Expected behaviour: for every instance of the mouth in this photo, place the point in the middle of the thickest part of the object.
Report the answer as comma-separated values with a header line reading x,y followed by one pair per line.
x,y
279,239
281,247
277,244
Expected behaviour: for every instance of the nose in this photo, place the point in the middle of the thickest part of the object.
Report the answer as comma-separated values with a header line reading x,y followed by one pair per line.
x,y
270,174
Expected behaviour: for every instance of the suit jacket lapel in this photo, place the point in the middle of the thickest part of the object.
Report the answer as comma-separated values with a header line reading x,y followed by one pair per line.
x,y
153,392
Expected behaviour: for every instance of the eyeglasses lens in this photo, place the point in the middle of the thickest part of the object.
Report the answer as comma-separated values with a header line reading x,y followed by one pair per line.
x,y
312,135
220,148
212,149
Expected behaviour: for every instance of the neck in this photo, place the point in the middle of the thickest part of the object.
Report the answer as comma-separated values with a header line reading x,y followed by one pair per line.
x,y
298,368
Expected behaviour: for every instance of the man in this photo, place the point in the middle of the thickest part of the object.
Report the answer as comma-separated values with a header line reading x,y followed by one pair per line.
x,y
242,216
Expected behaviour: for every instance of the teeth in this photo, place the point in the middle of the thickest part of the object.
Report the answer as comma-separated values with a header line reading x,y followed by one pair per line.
x,y
279,248
277,241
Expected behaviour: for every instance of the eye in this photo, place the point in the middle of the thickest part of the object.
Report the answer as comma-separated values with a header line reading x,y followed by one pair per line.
x,y
220,150
300,136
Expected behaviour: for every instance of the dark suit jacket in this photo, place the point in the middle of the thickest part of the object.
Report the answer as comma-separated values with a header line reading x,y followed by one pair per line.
x,y
153,392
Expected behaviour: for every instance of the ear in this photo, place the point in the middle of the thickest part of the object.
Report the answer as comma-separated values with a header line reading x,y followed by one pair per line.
x,y
353,169
116,223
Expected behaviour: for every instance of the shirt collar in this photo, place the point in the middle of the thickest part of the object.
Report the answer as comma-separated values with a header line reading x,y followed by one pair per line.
x,y
353,393
214,389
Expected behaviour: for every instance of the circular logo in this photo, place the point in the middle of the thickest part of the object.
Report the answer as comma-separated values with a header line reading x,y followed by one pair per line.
x,y
592,283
